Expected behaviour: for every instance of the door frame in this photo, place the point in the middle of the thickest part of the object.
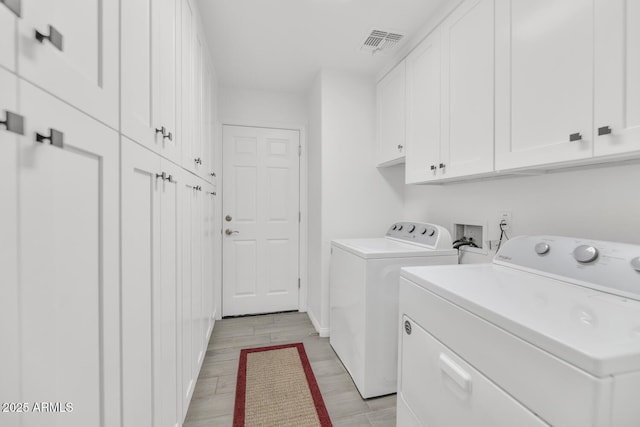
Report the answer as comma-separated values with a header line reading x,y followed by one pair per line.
x,y
302,200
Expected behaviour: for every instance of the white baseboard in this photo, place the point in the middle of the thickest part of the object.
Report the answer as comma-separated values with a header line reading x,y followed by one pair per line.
x,y
323,332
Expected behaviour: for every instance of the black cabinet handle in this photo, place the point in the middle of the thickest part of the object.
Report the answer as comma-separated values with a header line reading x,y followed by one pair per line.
x,y
400,146
168,136
197,161
14,6
213,174
575,137
55,138
161,175
442,165
161,130
433,167
55,37
13,122
604,130
170,178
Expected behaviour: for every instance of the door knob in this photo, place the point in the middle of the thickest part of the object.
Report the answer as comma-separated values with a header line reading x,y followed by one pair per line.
x,y
55,37
13,122
229,232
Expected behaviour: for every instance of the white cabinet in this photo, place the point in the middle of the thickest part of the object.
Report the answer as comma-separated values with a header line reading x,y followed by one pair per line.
x,y
9,312
617,77
148,75
64,191
75,56
423,110
7,38
467,90
150,287
390,117
209,257
544,82
450,98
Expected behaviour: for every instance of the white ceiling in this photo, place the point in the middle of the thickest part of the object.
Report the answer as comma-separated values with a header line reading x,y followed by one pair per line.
x,y
282,44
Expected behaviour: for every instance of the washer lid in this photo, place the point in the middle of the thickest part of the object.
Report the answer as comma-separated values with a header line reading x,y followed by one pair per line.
x,y
383,247
595,331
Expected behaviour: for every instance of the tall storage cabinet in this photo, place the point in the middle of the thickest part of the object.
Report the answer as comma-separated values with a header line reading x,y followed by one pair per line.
x,y
61,192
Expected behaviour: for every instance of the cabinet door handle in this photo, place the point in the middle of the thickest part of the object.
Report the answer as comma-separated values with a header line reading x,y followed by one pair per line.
x,y
433,167
575,137
55,37
442,165
197,161
55,138
13,122
161,175
14,6
168,136
161,130
400,146
604,130
213,174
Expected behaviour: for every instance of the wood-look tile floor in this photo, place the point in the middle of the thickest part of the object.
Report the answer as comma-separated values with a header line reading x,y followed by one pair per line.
x,y
213,398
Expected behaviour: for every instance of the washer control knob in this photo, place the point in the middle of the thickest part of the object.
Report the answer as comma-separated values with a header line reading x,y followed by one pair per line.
x,y
431,232
585,253
635,263
542,248
400,227
394,226
411,228
424,230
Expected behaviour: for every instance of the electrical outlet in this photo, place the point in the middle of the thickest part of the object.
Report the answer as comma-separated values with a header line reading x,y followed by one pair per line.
x,y
505,220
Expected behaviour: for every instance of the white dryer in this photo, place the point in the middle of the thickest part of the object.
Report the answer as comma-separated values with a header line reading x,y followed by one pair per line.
x,y
363,286
548,334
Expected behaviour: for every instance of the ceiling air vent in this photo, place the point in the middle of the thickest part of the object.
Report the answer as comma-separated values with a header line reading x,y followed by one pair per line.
x,y
380,40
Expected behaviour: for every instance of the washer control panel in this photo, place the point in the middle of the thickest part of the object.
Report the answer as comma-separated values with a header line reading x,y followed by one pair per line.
x,y
431,235
612,267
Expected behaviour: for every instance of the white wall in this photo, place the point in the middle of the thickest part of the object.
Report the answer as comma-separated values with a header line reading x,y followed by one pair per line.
x,y
314,200
599,203
242,106
356,198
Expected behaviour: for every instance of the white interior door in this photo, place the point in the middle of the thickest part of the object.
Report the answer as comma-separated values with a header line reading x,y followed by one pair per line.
x,y
261,212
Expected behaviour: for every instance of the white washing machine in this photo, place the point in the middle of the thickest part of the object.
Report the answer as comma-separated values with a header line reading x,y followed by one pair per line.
x,y
546,335
363,287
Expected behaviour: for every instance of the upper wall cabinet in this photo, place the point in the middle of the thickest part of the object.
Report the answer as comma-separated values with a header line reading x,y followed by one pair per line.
x,y
617,77
70,49
7,38
544,81
423,110
450,97
149,75
390,117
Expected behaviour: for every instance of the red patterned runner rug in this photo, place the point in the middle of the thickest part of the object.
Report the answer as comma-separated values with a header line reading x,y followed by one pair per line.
x,y
276,387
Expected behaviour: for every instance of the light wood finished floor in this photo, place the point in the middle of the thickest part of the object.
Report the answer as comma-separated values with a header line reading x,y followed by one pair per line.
x,y
212,403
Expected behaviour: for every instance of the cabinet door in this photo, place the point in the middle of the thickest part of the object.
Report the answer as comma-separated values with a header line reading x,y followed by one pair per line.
x,y
83,68
199,160
187,206
166,54
7,38
69,269
140,283
196,279
140,70
544,81
170,228
9,314
390,116
467,90
209,260
423,110
187,113
617,78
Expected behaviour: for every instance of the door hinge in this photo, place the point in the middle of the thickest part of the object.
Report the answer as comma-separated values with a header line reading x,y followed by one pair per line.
x,y
299,150
298,283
